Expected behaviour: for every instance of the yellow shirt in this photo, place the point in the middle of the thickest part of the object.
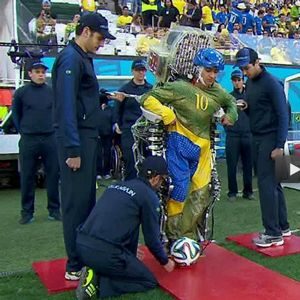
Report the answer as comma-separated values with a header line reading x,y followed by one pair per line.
x,y
144,44
285,11
123,20
3,112
207,15
179,4
88,5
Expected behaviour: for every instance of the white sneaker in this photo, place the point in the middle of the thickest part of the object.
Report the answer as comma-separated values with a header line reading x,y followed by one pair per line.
x,y
73,276
99,177
107,176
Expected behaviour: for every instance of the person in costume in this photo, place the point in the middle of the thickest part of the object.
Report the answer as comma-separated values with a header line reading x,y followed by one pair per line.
x,y
187,109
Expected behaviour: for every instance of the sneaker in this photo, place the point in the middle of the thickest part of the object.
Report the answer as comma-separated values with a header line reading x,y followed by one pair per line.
x,y
26,219
106,177
73,275
99,177
286,232
249,197
55,216
88,285
264,240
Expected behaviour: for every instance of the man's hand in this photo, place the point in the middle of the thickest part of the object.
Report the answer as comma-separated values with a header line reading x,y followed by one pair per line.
x,y
117,96
170,266
74,163
117,128
277,152
225,121
241,104
140,253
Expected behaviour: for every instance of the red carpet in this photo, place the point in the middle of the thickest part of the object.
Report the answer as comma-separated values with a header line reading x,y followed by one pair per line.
x,y
223,275
51,274
220,275
291,245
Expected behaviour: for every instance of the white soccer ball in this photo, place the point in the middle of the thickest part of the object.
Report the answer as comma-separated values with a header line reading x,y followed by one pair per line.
x,y
185,251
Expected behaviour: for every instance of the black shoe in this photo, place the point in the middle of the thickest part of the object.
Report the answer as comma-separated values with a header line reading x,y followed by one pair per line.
x,y
55,216
26,219
249,197
88,286
232,198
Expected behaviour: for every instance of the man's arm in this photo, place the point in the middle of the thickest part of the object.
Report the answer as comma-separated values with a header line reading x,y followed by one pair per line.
x,y
277,96
150,227
17,109
156,99
67,81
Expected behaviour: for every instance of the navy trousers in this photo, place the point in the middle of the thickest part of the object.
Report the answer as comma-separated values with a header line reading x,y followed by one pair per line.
x,y
31,148
118,269
78,194
239,146
272,201
127,142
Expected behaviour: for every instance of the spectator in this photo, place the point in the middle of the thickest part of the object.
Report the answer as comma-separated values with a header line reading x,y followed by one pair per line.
x,y
134,6
258,22
127,111
235,17
146,41
207,18
136,26
149,12
267,108
76,111
32,115
71,28
239,144
295,11
269,22
285,10
247,20
125,19
192,16
108,240
222,15
88,5
168,14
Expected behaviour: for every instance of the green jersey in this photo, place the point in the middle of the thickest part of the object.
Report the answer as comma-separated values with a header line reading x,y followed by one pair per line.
x,y
195,107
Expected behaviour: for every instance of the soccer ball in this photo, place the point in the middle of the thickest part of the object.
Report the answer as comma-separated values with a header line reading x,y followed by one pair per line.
x,y
185,251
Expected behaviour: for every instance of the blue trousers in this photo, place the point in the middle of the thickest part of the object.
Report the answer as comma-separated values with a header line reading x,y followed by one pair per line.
x,y
272,201
118,269
239,146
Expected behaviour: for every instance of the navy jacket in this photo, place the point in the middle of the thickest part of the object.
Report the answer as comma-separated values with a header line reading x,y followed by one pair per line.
x,y
128,111
118,214
241,126
267,106
76,94
32,109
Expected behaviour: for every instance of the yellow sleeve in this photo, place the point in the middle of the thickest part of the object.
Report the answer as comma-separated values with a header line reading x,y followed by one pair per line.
x,y
167,114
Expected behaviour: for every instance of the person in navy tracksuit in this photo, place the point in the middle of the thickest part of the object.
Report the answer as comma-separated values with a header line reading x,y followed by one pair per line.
x,y
267,108
239,144
107,242
32,115
128,111
76,113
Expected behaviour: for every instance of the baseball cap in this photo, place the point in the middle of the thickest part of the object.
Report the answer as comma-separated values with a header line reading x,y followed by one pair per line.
x,y
154,164
237,74
37,65
139,64
245,56
97,23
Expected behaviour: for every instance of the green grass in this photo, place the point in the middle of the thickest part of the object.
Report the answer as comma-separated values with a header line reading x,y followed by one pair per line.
x,y
42,240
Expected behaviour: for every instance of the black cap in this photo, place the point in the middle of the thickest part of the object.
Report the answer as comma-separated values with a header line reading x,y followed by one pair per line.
x,y
139,64
37,65
97,23
245,56
154,165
